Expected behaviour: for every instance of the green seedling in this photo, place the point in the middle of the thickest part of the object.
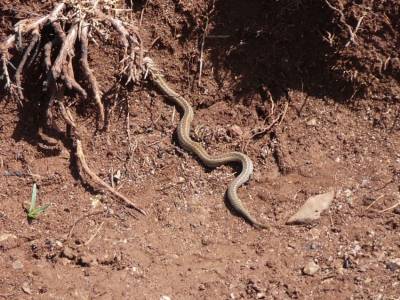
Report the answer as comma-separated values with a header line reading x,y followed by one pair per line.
x,y
33,211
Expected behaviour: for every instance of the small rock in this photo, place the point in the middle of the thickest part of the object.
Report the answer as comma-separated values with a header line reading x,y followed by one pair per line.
x,y
349,196
310,268
117,176
64,261
26,288
367,280
378,297
202,287
17,265
312,122
260,296
393,265
205,241
235,131
6,236
364,183
180,179
312,209
347,263
86,260
165,297
68,253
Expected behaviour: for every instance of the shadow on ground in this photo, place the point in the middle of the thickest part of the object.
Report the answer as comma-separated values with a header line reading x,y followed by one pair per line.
x,y
276,46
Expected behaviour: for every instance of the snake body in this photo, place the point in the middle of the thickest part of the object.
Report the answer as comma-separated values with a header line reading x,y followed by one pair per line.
x,y
191,146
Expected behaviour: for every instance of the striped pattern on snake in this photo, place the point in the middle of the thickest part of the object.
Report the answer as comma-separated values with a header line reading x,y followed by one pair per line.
x,y
191,146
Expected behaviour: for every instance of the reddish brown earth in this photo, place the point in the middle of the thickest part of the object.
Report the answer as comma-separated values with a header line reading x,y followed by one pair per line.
x,y
340,131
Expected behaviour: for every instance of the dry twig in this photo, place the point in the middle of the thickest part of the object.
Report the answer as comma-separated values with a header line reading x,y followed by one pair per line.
x,y
352,32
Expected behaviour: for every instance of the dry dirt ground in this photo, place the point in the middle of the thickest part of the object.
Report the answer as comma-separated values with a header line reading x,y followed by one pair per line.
x,y
340,130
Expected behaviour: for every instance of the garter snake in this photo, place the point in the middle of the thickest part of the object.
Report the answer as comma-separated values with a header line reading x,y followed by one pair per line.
x,y
191,146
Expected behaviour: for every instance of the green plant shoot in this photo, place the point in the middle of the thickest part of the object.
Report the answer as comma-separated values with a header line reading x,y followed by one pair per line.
x,y
34,212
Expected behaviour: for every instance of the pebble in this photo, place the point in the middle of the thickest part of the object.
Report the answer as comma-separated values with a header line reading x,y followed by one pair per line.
x,y
364,183
311,268
393,265
235,131
17,265
349,196
86,260
180,180
312,209
68,253
164,297
312,122
26,288
260,296
205,241
347,263
6,236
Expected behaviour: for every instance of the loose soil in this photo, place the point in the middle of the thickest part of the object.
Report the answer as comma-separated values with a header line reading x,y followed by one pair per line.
x,y
340,130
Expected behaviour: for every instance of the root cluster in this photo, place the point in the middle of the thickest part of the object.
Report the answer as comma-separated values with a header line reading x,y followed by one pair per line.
x,y
60,42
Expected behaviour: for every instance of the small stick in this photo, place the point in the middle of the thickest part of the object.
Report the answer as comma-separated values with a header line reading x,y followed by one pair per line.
x,y
390,208
276,120
284,113
203,42
83,217
375,201
142,13
202,51
352,32
94,234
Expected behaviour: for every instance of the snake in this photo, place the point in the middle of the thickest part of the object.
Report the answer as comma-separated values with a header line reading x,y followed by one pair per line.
x,y
185,141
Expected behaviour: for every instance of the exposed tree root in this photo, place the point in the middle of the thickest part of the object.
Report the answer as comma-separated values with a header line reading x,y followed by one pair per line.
x,y
82,160
65,29
34,41
94,87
